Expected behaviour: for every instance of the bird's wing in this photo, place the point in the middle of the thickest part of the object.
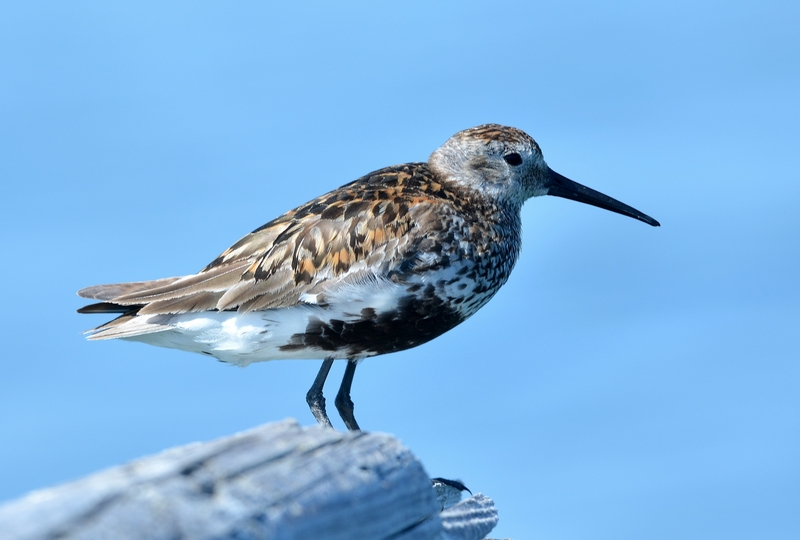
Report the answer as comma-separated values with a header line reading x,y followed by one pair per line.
x,y
359,231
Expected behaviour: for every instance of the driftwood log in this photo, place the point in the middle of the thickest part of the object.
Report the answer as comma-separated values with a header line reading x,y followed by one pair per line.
x,y
277,481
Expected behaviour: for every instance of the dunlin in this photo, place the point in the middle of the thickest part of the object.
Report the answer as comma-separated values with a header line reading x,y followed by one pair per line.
x,y
382,264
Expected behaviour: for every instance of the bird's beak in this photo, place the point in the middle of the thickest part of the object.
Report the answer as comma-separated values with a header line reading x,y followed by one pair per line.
x,y
561,186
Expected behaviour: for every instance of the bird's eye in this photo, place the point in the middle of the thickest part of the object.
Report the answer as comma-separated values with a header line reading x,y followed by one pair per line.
x,y
513,159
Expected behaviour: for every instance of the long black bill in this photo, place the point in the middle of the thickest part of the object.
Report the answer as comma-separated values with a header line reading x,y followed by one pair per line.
x,y
561,186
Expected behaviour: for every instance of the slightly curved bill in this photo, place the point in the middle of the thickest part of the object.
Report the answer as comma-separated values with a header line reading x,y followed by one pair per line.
x,y
561,186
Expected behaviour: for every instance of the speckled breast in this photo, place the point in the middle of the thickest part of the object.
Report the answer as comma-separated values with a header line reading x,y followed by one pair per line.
x,y
447,278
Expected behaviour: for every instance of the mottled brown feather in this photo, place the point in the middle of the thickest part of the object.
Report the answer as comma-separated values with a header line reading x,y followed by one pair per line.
x,y
378,220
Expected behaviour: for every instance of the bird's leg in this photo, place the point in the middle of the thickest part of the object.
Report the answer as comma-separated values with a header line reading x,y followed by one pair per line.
x,y
314,397
343,402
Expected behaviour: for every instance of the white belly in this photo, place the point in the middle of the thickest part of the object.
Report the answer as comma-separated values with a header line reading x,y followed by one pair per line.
x,y
243,338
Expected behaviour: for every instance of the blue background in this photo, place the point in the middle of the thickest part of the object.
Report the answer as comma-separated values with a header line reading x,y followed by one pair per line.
x,y
627,382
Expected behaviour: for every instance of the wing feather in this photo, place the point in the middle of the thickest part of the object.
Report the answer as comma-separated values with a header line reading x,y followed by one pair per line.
x,y
367,227
110,292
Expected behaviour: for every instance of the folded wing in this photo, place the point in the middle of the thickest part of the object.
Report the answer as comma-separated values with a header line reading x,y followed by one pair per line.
x,y
361,229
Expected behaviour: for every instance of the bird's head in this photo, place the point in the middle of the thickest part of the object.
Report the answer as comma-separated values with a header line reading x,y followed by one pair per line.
x,y
506,164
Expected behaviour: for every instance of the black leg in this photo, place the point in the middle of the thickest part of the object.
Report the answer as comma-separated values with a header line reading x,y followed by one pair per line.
x,y
314,397
343,402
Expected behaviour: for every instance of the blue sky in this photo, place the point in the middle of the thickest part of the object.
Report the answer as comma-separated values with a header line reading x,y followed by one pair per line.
x,y
627,382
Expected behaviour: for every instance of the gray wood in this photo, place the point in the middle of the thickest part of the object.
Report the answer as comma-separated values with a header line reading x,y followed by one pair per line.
x,y
471,519
277,481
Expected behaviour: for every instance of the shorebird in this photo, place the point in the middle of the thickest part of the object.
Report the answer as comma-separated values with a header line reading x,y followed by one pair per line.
x,y
379,265
448,492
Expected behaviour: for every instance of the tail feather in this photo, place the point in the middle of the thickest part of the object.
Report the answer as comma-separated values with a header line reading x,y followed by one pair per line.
x,y
107,307
146,307
129,325
115,290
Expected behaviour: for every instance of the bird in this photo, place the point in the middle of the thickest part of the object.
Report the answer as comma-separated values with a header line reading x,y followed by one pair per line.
x,y
382,264
448,492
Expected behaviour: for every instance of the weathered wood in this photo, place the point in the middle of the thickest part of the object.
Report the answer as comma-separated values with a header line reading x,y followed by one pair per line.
x,y
276,481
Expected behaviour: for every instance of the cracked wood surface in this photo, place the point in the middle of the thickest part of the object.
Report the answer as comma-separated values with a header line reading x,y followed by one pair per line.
x,y
277,481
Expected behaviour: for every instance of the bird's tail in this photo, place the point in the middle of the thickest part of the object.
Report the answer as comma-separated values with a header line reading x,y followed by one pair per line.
x,y
128,324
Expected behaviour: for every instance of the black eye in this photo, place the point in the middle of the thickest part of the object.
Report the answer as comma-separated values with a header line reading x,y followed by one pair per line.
x,y
513,159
